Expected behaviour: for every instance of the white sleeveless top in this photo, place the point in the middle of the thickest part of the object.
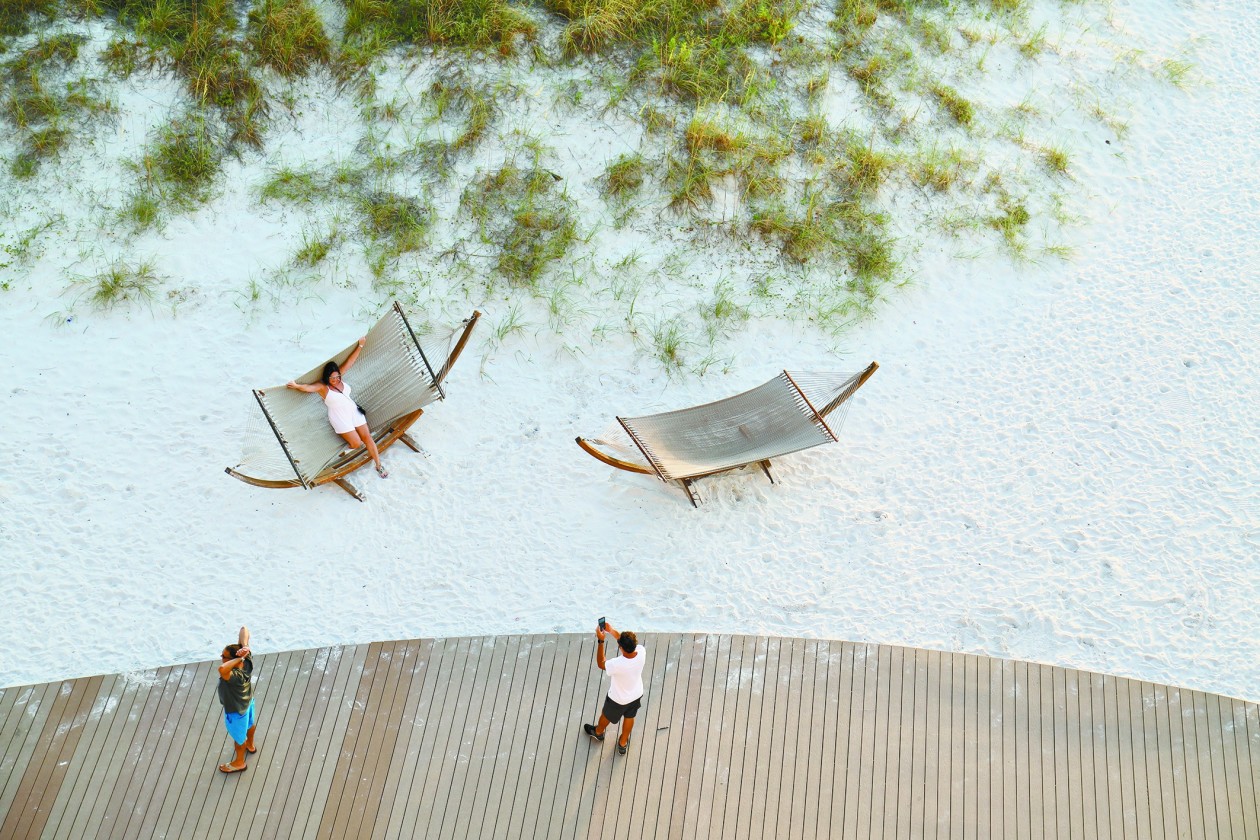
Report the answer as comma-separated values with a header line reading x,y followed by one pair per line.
x,y
343,412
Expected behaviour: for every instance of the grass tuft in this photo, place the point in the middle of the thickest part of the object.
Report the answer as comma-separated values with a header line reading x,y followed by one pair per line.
x,y
960,109
288,36
122,283
624,176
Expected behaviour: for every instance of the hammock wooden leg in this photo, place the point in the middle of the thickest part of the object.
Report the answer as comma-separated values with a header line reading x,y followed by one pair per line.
x,y
411,444
765,468
349,488
691,494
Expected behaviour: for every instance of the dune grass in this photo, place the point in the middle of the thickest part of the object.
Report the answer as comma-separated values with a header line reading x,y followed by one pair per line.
x,y
43,104
739,131
525,216
121,283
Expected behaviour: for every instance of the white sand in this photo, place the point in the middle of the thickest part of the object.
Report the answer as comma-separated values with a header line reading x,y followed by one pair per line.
x,y
1056,463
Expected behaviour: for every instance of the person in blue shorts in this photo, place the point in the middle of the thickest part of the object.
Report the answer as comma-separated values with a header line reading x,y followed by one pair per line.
x,y
237,696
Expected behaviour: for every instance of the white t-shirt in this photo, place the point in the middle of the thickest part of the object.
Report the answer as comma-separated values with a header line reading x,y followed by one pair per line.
x,y
627,676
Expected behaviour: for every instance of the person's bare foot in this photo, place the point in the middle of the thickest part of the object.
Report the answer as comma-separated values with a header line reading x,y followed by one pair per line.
x,y
231,768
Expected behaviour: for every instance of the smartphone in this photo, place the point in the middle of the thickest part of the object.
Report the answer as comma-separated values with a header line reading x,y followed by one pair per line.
x,y
603,625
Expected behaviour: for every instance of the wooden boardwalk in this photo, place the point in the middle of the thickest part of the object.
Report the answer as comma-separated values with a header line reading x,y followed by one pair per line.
x,y
740,737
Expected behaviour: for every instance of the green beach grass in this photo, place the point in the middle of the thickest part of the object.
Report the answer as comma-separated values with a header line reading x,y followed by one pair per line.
x,y
736,136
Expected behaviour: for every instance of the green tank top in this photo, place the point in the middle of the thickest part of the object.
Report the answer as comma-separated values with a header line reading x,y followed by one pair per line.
x,y
236,691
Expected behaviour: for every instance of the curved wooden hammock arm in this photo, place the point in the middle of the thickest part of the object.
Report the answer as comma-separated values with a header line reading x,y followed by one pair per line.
x,y
629,466
336,472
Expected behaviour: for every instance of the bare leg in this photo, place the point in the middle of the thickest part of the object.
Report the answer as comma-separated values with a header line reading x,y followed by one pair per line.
x,y
249,740
626,725
367,438
237,763
602,725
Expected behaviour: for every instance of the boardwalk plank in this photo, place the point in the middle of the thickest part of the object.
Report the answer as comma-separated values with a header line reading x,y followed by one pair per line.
x,y
451,717
1252,714
1216,807
1172,784
524,801
503,730
563,670
168,755
29,717
708,762
1004,773
1108,753
1081,719
641,760
1131,762
84,816
58,738
886,734
471,751
318,708
804,780
1149,791
393,796
380,752
318,789
445,663
959,740
765,775
978,725
857,785
789,686
278,709
681,737
1189,811
737,820
1224,766
131,763
92,743
901,795
739,736
1246,772
279,739
667,715
830,729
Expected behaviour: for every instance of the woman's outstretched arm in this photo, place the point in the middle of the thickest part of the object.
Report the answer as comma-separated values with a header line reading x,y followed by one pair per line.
x,y
310,389
354,356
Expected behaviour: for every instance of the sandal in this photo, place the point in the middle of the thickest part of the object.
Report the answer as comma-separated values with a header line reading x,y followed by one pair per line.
x,y
623,748
228,768
382,472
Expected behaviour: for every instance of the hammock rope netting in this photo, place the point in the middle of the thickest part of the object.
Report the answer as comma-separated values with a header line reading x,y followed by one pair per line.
x,y
391,378
791,412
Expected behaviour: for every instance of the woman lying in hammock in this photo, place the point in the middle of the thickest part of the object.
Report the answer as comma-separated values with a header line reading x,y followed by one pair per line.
x,y
345,415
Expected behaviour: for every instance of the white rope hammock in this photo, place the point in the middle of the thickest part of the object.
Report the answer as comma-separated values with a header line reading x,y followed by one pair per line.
x,y
791,412
395,374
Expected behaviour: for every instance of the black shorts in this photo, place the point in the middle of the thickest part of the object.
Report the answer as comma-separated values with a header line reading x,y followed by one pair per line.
x,y
614,710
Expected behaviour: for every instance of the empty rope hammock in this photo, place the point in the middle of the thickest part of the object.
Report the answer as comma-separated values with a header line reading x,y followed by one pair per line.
x,y
791,412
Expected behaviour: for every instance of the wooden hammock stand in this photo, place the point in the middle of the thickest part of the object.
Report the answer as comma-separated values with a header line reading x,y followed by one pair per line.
x,y
337,472
687,481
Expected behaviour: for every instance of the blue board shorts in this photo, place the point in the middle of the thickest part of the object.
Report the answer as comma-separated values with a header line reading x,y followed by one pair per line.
x,y
239,724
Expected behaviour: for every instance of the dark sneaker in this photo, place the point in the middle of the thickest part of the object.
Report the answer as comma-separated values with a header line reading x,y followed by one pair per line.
x,y
622,750
590,730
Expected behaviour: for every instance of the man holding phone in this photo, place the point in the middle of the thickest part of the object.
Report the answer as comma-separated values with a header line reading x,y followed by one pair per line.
x,y
625,695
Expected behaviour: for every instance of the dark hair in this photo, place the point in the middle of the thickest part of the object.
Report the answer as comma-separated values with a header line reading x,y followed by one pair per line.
x,y
232,650
627,641
329,370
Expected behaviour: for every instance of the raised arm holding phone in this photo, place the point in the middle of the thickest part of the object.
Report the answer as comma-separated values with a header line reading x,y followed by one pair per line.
x,y
625,694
